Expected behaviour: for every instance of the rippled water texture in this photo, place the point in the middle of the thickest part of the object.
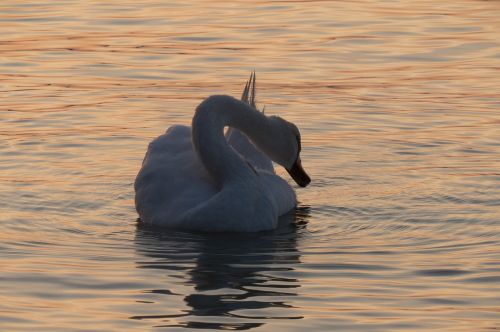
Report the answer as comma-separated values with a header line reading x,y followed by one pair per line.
x,y
399,107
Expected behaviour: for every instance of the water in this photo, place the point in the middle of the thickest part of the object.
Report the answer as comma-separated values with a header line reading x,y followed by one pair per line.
x,y
399,107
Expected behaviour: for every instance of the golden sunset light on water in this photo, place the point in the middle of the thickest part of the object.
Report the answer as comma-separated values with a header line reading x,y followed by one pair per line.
x,y
398,108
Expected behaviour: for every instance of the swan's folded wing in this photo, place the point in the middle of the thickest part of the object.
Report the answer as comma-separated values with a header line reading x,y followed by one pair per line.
x,y
279,190
248,151
171,180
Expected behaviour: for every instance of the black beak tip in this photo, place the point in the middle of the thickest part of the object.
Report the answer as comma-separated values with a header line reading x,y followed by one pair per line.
x,y
299,175
305,181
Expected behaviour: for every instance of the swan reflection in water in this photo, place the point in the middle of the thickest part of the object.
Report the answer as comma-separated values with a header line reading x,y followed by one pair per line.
x,y
238,280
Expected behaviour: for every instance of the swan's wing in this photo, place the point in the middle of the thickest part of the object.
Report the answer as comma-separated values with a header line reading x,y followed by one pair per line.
x,y
240,141
248,151
171,180
282,194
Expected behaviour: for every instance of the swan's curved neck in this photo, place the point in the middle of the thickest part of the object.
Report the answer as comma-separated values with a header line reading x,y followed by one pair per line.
x,y
211,116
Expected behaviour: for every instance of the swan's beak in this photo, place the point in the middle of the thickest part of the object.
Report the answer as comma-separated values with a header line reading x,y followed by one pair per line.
x,y
298,174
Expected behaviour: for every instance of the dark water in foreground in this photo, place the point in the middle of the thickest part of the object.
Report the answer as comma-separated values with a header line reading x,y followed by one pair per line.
x,y
399,107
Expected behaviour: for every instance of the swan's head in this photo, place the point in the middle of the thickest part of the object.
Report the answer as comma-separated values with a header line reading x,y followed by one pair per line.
x,y
283,147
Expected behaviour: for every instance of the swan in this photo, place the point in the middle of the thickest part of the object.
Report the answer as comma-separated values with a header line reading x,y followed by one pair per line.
x,y
198,178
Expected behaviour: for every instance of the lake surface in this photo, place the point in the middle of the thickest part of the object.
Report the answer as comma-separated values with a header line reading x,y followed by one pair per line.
x,y
399,107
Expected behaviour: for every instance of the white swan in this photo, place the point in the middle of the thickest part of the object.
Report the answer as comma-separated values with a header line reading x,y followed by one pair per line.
x,y
196,178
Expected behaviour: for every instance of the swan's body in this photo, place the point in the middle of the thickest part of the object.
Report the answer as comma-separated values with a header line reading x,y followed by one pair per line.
x,y
196,178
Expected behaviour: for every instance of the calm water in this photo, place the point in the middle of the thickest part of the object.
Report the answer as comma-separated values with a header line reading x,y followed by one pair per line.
x,y
399,106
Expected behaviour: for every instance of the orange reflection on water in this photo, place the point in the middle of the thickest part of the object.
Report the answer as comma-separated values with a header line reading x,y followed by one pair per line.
x,y
398,105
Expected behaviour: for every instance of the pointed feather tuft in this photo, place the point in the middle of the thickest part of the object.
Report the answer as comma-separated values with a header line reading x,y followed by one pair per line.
x,y
249,92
